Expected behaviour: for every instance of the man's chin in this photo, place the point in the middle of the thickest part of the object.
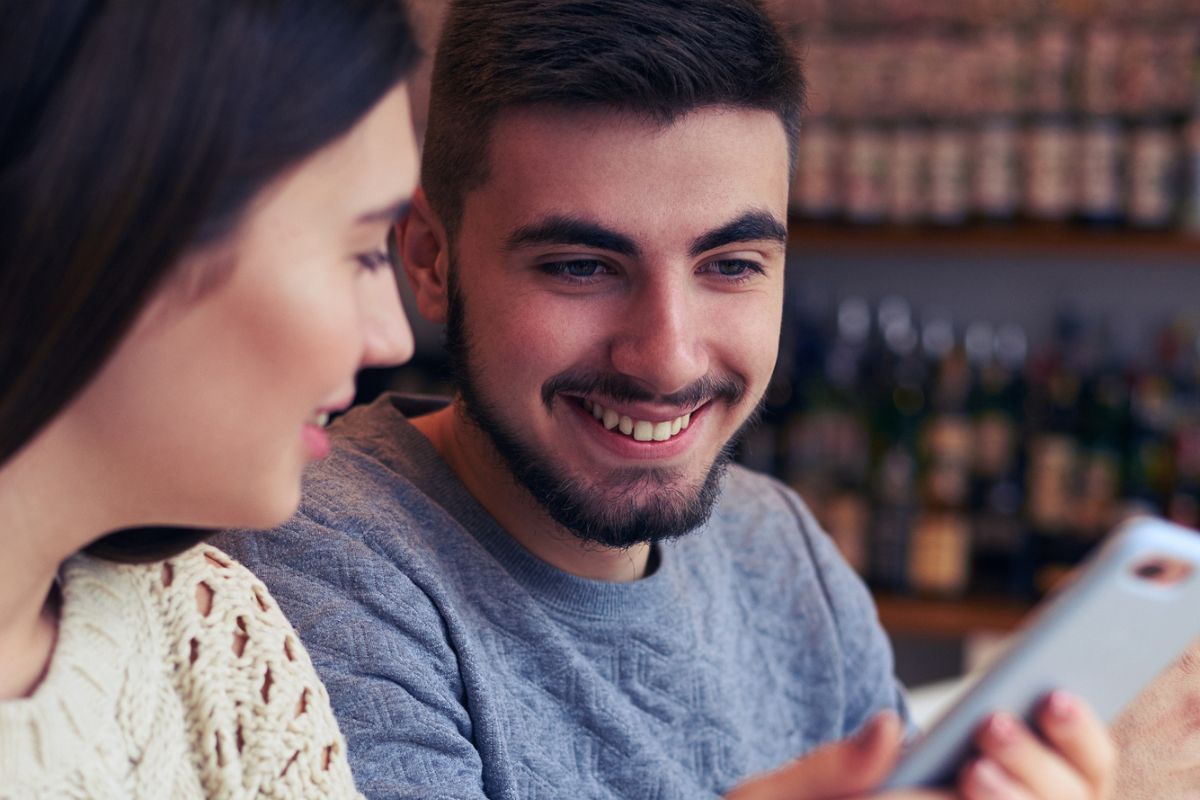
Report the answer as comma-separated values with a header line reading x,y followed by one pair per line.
x,y
641,509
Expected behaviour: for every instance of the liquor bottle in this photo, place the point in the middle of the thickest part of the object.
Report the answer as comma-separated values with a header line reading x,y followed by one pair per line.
x,y
826,451
816,189
1190,167
846,516
1183,505
1049,175
1001,556
939,558
949,181
866,179
895,377
1100,172
1053,50
996,179
1053,454
1154,161
895,511
908,175
1101,71
1151,459
1001,72
1104,434
1052,139
1190,173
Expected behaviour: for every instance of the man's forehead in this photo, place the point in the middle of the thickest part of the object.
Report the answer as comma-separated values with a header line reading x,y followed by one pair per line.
x,y
575,124
623,171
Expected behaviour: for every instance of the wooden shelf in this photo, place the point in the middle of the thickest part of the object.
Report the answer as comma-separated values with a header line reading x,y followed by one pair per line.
x,y
949,618
1015,238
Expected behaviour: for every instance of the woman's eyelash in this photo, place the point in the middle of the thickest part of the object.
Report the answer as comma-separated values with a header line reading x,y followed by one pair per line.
x,y
375,260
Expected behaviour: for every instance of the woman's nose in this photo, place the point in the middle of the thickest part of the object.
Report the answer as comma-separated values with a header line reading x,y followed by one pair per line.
x,y
387,336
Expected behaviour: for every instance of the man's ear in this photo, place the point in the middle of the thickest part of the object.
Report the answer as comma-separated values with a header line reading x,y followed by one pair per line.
x,y
425,253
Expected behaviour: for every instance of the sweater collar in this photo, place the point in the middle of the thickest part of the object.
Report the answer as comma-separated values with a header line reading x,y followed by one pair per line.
x,y
66,719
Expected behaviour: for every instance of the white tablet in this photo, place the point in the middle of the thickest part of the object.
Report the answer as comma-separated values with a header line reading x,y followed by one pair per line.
x,y
1132,609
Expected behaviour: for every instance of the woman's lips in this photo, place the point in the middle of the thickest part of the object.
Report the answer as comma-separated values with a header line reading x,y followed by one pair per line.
x,y
316,440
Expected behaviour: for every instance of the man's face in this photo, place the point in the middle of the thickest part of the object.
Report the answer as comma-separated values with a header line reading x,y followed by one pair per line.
x,y
615,308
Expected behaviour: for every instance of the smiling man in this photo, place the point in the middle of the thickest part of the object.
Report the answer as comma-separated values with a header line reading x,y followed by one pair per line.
x,y
556,585
613,301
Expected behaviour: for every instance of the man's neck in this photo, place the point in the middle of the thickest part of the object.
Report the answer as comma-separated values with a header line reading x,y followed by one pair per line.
x,y
475,461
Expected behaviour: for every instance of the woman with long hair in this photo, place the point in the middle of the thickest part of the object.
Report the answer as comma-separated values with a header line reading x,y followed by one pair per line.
x,y
196,198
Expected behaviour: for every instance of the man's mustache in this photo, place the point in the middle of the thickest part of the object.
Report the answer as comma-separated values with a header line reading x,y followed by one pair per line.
x,y
624,389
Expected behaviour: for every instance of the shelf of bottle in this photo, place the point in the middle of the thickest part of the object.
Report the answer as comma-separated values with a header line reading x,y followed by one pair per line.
x,y
955,618
1015,238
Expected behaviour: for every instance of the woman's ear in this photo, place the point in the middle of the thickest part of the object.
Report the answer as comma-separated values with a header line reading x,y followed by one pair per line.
x,y
425,254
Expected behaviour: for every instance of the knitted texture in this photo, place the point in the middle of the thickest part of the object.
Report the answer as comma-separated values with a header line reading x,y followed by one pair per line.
x,y
461,666
180,679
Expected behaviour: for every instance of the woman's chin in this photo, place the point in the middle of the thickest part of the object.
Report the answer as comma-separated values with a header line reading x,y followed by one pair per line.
x,y
264,512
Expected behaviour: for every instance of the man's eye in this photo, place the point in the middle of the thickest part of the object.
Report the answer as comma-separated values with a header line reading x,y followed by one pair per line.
x,y
736,268
574,269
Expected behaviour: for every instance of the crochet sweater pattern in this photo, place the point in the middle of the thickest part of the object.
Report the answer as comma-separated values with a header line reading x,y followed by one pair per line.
x,y
178,679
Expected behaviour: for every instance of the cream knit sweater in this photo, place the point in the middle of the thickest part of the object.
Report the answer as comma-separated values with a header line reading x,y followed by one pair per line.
x,y
174,680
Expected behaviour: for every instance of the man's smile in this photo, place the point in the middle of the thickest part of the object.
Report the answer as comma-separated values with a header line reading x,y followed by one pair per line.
x,y
641,430
639,434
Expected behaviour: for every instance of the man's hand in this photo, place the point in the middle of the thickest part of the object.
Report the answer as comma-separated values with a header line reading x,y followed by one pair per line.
x,y
838,770
1158,736
1072,760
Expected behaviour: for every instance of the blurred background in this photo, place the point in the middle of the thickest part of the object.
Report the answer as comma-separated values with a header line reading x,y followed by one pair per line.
x,y
991,347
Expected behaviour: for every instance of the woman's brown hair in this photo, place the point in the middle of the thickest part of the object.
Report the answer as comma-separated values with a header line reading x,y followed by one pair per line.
x,y
133,132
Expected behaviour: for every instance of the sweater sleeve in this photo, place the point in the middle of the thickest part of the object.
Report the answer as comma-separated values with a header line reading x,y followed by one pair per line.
x,y
259,719
385,654
871,684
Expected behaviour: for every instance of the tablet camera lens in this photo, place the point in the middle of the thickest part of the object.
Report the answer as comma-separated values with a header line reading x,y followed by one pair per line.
x,y
1151,570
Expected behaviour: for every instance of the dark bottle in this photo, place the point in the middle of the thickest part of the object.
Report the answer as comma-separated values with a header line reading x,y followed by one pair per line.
x,y
1104,435
1001,554
866,176
826,443
996,176
939,557
1154,176
895,382
1052,408
1102,147
909,155
1052,139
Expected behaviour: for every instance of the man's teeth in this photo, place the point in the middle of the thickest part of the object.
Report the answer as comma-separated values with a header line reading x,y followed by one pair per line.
x,y
641,430
321,419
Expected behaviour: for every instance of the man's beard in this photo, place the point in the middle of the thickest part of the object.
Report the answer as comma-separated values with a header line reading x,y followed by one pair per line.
x,y
610,516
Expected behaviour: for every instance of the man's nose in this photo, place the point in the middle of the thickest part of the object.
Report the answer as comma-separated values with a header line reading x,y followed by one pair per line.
x,y
662,340
387,336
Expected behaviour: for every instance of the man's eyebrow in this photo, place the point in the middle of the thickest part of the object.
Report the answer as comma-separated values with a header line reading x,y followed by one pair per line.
x,y
572,231
392,212
753,226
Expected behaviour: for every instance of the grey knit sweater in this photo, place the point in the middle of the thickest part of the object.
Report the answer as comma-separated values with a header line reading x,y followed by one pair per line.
x,y
461,666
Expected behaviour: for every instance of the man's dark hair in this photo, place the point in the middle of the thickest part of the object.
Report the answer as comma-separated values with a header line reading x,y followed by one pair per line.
x,y
659,58
134,132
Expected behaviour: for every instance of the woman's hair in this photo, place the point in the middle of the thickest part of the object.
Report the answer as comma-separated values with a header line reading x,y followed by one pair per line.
x,y
133,132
